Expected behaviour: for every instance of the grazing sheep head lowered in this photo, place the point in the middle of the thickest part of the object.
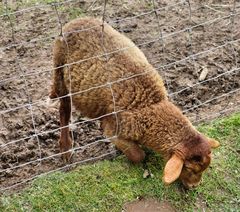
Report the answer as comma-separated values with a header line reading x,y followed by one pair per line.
x,y
147,117
189,161
166,130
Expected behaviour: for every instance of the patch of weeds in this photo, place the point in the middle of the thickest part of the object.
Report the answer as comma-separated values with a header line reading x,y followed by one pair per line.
x,y
75,13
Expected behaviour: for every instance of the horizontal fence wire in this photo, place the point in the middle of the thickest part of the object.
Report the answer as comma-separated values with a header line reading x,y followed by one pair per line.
x,y
58,169
192,57
129,77
92,27
128,47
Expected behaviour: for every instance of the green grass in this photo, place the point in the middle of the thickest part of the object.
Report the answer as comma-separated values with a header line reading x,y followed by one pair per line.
x,y
73,12
107,185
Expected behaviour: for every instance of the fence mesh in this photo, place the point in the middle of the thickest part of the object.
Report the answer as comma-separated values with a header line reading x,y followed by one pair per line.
x,y
193,44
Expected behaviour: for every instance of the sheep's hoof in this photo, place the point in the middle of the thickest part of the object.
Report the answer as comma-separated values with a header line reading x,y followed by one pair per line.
x,y
66,149
67,156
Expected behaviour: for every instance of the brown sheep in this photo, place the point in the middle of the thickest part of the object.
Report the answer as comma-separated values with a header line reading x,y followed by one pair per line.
x,y
125,82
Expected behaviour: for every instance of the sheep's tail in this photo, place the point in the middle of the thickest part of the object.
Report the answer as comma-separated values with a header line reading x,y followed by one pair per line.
x,y
58,87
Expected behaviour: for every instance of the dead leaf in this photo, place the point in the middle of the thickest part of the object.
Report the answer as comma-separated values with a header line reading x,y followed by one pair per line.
x,y
203,74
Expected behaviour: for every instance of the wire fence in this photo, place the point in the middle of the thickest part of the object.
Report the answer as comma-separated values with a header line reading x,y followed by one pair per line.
x,y
202,98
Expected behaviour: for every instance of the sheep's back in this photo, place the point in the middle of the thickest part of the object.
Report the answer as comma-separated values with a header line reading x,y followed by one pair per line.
x,y
123,77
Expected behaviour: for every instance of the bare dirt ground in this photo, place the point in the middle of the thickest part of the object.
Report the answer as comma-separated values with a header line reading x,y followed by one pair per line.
x,y
148,205
25,71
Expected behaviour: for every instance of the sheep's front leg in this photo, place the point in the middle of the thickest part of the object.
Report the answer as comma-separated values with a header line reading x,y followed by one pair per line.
x,y
65,141
132,150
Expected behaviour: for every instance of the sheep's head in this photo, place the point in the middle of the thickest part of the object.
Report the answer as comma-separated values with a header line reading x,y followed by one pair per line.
x,y
189,161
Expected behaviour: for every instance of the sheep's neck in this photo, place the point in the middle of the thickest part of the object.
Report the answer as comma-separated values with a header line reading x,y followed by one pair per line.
x,y
165,127
167,142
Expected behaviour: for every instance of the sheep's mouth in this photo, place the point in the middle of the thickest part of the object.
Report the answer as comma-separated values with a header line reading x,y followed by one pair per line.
x,y
191,185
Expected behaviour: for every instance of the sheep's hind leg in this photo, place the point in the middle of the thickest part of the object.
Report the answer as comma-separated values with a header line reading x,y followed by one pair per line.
x,y
132,150
65,141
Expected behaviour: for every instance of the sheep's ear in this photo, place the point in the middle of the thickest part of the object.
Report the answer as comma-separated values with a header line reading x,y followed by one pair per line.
x,y
172,169
213,143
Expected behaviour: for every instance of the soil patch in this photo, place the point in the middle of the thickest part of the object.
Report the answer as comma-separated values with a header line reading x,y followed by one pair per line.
x,y
148,205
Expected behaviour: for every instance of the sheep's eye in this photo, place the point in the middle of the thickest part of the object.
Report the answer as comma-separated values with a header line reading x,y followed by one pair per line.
x,y
196,158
